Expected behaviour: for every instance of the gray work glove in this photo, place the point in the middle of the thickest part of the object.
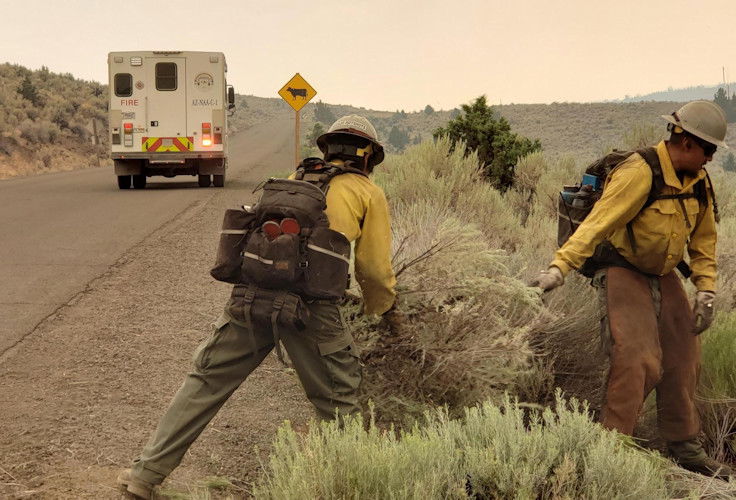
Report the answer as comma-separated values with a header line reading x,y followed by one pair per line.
x,y
549,279
703,311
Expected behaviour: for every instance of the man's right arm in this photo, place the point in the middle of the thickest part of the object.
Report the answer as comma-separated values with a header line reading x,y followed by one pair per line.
x,y
623,198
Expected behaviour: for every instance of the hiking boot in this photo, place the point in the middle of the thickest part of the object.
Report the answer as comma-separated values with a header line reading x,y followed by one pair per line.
x,y
135,486
690,455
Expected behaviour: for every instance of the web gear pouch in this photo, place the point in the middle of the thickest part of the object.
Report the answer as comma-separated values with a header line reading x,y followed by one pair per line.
x,y
250,303
271,263
236,226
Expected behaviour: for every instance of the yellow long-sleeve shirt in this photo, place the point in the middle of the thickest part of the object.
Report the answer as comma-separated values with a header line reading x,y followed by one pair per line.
x,y
662,231
358,209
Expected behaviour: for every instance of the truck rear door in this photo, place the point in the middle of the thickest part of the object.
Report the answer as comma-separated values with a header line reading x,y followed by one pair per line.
x,y
167,110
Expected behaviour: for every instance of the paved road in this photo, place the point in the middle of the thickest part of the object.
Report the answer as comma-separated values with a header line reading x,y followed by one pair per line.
x,y
60,231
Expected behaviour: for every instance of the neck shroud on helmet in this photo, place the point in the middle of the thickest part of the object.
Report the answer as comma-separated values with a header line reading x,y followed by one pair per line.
x,y
352,138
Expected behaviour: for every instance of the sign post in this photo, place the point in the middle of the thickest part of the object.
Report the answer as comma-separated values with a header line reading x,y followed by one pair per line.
x,y
297,93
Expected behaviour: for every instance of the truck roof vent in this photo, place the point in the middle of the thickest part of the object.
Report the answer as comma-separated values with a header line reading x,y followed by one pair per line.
x,y
136,61
167,52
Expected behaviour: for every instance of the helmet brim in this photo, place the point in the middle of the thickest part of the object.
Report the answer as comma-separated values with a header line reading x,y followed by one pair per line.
x,y
690,130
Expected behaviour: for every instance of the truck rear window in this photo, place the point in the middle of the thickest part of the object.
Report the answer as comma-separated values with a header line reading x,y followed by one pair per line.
x,y
165,76
123,84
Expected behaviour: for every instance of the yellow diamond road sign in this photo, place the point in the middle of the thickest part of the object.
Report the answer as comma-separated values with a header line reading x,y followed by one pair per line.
x,y
297,92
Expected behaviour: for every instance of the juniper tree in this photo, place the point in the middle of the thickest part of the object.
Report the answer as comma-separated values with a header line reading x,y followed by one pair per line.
x,y
497,146
28,91
322,113
398,138
729,164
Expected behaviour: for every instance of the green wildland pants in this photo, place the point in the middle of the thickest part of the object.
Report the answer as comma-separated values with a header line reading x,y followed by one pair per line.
x,y
324,357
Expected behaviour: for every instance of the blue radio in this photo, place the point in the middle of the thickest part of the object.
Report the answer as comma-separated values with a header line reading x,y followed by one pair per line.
x,y
591,180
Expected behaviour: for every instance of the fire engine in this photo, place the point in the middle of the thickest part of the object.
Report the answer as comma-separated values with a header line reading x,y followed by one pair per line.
x,y
168,115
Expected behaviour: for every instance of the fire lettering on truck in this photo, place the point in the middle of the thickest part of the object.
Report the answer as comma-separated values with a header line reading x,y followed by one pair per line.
x,y
129,102
204,102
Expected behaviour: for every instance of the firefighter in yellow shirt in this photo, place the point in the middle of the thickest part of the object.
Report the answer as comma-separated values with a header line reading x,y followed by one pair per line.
x,y
651,328
324,354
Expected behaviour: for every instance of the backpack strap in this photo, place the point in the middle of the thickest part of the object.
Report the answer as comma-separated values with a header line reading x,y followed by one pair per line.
x,y
278,304
248,294
652,159
316,171
702,195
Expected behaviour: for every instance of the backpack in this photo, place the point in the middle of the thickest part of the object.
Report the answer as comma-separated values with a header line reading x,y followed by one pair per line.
x,y
281,252
577,201
284,241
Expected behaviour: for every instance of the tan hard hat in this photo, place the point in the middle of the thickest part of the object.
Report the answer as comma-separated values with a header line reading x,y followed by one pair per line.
x,y
357,126
703,119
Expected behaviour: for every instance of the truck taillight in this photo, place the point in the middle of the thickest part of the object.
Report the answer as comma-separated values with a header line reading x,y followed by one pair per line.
x,y
206,134
128,134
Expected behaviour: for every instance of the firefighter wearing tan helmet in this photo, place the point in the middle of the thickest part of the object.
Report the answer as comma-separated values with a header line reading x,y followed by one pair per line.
x,y
649,328
322,350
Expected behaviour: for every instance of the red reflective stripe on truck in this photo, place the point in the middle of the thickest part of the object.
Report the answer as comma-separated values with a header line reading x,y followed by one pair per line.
x,y
179,144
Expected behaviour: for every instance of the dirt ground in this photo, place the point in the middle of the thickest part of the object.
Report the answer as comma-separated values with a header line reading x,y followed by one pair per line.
x,y
82,394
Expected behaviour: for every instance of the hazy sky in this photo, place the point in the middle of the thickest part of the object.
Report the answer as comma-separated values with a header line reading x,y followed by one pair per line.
x,y
390,55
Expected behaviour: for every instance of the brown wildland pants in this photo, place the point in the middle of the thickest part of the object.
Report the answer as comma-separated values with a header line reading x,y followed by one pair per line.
x,y
647,323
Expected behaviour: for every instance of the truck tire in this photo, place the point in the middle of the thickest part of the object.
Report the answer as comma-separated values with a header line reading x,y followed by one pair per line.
x,y
203,180
139,181
124,181
218,180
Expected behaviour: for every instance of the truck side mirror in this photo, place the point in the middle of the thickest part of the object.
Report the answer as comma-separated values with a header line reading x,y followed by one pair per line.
x,y
230,97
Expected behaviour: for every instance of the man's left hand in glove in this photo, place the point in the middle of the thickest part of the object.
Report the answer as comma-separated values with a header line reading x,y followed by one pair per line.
x,y
703,311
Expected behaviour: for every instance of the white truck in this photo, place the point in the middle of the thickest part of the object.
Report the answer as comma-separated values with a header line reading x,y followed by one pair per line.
x,y
168,115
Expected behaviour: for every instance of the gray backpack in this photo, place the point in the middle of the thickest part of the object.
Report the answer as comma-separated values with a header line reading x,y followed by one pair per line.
x,y
281,252
284,242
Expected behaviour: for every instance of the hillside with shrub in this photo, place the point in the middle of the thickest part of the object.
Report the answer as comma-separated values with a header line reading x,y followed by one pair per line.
x,y
50,122
54,122
583,131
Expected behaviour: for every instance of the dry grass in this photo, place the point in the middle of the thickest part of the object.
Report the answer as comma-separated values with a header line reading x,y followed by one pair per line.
x,y
468,317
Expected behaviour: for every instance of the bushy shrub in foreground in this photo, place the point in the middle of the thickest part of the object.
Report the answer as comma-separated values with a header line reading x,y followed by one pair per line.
x,y
468,317
494,451
465,251
718,388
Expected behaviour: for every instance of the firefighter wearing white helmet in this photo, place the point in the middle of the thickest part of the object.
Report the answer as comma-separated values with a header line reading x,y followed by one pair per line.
x,y
702,119
324,354
636,238
352,138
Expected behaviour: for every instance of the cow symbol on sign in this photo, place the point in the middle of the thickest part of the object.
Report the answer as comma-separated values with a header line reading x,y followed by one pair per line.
x,y
297,92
